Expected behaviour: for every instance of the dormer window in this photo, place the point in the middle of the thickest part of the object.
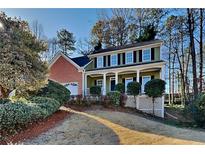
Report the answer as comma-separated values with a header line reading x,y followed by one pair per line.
x,y
100,62
146,55
129,57
114,60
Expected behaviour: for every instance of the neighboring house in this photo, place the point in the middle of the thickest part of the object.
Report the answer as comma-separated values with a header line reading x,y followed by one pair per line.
x,y
139,62
68,72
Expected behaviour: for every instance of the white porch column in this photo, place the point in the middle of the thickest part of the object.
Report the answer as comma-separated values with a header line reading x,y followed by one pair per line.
x,y
104,84
86,86
116,77
138,80
138,75
162,73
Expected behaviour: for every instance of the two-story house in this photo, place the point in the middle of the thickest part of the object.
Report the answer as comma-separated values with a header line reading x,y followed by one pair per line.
x,y
139,62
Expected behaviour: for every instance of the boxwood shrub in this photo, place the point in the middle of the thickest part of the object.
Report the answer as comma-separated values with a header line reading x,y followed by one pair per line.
x,y
95,90
16,115
56,91
115,97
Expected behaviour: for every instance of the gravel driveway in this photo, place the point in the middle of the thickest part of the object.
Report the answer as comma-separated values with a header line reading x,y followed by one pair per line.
x,y
110,127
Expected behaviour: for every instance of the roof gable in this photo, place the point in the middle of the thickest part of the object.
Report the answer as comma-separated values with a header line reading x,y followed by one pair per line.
x,y
60,54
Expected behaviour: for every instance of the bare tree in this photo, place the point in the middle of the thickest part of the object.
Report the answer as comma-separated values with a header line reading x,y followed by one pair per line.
x,y
84,47
191,27
37,29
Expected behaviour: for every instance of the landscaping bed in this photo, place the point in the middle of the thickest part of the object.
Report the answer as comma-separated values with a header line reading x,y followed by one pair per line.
x,y
35,129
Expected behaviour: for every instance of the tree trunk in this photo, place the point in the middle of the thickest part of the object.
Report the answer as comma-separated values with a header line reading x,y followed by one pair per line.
x,y
173,78
135,102
192,47
201,50
170,70
153,105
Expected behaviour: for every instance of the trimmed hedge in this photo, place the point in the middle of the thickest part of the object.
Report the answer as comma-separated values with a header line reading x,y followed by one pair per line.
x,y
56,91
115,97
95,90
15,115
120,87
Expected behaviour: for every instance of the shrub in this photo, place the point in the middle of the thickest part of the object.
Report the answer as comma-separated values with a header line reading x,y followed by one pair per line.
x,y
15,115
106,101
95,90
56,91
133,88
120,87
197,110
114,97
155,88
123,99
49,105
4,100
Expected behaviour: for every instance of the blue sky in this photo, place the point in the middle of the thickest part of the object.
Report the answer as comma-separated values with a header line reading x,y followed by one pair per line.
x,y
77,21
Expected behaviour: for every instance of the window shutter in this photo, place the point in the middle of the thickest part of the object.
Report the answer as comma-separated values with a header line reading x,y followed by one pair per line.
x,y
104,61
152,77
95,62
119,58
108,60
134,78
135,56
123,58
95,82
152,53
140,55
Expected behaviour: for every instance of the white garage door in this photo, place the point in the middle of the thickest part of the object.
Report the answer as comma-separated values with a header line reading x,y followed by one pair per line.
x,y
73,87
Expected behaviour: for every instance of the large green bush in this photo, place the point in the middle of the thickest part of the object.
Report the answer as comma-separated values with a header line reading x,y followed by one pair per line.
x,y
115,97
95,90
15,115
120,87
47,104
56,91
196,110
155,88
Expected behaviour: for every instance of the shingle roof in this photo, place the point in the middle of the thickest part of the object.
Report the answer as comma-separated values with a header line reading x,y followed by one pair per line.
x,y
81,61
127,46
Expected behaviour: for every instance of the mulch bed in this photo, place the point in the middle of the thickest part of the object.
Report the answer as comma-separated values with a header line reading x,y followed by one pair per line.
x,y
35,129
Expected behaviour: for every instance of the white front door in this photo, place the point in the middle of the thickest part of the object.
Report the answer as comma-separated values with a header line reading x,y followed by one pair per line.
x,y
127,80
73,87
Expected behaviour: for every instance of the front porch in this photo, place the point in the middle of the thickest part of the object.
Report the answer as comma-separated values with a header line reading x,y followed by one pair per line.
x,y
107,80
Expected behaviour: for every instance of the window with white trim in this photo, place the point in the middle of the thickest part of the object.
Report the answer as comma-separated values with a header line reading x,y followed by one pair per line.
x,y
146,55
99,82
129,57
100,62
145,79
114,60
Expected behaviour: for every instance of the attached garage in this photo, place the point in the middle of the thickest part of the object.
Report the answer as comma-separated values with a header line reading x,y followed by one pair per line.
x,y
73,87
68,72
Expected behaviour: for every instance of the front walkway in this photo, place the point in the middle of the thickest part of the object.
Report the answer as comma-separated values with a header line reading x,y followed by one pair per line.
x,y
109,127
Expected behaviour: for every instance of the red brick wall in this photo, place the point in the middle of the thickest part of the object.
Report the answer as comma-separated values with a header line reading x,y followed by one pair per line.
x,y
63,71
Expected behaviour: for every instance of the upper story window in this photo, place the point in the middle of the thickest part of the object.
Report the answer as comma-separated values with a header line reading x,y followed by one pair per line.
x,y
146,55
114,60
129,57
100,62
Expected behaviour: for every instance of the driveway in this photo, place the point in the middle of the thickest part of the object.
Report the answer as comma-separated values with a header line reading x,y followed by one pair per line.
x,y
110,127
